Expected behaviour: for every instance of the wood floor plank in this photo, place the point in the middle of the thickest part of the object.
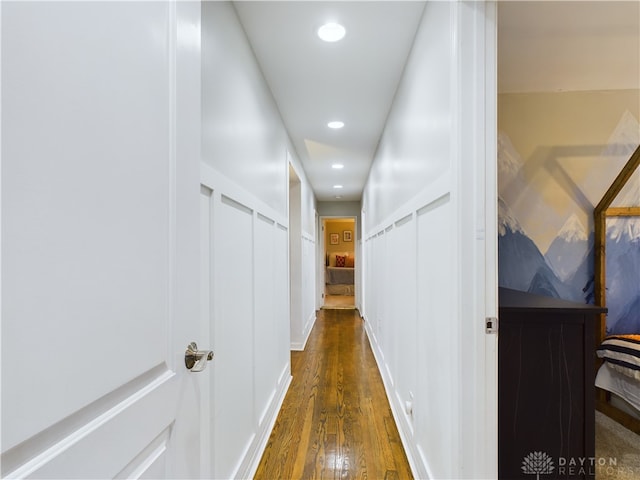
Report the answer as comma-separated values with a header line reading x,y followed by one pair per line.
x,y
335,422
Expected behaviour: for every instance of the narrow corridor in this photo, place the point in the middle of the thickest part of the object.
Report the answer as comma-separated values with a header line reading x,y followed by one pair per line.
x,y
335,421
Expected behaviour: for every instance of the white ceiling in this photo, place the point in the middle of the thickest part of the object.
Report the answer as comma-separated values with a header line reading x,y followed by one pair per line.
x,y
543,46
314,82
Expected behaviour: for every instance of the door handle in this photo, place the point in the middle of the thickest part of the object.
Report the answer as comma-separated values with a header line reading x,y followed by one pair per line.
x,y
196,360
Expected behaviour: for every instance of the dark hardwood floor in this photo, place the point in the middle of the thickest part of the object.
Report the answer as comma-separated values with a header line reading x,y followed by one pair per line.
x,y
335,422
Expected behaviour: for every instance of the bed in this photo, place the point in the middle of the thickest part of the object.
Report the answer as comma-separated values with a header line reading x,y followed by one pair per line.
x,y
619,376
339,276
615,287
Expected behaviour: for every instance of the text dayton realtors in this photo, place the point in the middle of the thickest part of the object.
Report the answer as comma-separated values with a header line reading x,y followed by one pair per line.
x,y
587,465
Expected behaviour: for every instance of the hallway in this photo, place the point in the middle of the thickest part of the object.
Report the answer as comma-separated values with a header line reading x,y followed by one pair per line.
x,y
335,421
161,197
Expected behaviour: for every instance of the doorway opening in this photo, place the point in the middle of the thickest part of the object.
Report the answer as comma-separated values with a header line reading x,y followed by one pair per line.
x,y
339,241
295,256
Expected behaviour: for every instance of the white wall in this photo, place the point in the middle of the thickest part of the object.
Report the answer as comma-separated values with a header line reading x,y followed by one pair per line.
x,y
309,247
236,138
308,199
245,169
303,251
341,209
428,215
309,244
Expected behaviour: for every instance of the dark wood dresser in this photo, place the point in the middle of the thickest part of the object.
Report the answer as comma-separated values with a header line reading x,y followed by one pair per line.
x,y
546,414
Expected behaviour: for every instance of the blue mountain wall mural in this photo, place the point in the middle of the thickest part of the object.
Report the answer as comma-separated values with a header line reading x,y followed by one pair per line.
x,y
565,269
623,275
522,266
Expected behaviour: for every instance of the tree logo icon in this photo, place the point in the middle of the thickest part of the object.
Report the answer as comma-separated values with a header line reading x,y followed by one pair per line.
x,y
537,463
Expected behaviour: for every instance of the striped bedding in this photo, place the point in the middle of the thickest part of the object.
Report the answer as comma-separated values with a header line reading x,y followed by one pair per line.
x,y
622,353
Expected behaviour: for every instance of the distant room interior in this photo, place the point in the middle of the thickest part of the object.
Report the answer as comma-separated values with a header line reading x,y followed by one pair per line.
x,y
339,242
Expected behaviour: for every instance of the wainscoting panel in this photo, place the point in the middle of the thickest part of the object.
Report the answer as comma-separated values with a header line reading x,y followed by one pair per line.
x,y
410,321
308,285
281,306
403,304
249,324
233,389
265,377
437,358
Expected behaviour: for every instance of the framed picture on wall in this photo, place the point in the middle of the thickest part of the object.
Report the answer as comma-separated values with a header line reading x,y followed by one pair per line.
x,y
346,236
334,239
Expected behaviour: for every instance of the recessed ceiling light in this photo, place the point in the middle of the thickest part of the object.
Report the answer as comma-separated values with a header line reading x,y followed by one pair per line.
x,y
338,196
337,186
331,32
335,124
337,166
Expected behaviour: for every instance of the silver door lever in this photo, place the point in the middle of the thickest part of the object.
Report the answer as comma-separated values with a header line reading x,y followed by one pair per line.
x,y
196,360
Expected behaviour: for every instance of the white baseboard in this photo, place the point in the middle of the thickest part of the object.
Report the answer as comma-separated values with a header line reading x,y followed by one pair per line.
x,y
419,467
300,346
249,464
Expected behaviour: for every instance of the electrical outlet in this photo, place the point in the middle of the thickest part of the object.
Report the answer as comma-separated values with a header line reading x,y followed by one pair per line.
x,y
408,405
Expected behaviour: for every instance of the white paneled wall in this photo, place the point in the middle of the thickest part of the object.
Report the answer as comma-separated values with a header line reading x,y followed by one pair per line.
x,y
429,246
266,286
436,390
308,284
280,304
411,321
245,160
309,263
303,258
236,101
402,269
303,313
249,330
232,333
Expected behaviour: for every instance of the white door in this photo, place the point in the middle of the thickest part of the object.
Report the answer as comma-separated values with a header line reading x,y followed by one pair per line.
x,y
100,239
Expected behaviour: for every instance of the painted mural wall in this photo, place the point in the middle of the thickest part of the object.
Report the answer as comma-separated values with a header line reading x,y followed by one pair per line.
x,y
558,153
